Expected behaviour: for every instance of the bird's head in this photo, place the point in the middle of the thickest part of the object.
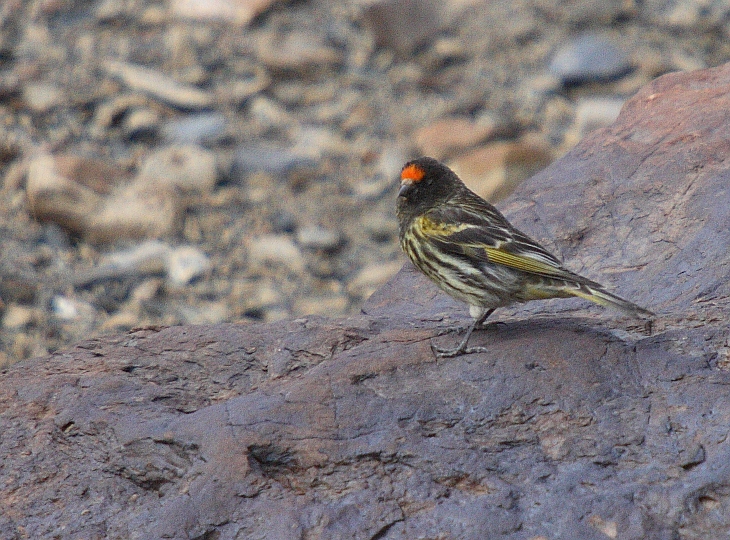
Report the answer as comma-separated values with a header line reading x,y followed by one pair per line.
x,y
424,183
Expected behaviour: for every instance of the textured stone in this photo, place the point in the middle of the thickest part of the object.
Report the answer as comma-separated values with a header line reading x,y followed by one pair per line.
x,y
447,136
590,57
159,86
495,170
577,422
238,11
402,25
41,97
187,168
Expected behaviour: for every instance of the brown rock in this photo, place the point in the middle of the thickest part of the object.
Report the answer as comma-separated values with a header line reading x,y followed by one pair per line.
x,y
92,199
42,97
444,137
495,170
16,316
134,212
188,168
403,25
237,11
159,86
300,53
573,425
59,191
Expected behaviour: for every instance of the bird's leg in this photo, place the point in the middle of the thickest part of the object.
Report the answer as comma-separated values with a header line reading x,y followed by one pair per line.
x,y
461,348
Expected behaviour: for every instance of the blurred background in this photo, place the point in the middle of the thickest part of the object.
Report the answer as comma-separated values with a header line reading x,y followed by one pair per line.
x,y
200,161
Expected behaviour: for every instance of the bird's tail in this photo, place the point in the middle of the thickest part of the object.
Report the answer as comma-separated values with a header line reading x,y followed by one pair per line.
x,y
604,298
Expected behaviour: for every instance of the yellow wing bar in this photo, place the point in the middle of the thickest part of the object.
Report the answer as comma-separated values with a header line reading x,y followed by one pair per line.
x,y
521,262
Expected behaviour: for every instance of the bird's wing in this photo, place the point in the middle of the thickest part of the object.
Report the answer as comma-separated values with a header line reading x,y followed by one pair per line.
x,y
482,233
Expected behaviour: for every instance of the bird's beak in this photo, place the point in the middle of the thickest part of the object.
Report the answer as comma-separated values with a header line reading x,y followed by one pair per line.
x,y
405,187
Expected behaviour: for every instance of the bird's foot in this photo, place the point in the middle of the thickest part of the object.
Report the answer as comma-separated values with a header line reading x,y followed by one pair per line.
x,y
456,351
451,330
461,348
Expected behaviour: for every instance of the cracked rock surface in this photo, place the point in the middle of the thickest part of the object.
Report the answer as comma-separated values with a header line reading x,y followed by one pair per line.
x,y
578,423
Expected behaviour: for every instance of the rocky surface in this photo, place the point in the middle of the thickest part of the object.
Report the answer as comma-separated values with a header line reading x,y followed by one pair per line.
x,y
257,141
578,423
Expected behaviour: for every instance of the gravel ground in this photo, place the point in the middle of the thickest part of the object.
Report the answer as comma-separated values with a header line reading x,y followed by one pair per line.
x,y
178,162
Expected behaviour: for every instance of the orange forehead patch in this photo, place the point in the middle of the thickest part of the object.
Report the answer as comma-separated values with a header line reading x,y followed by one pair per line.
x,y
412,172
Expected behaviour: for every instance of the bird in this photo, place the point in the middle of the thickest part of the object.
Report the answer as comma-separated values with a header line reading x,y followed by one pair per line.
x,y
470,250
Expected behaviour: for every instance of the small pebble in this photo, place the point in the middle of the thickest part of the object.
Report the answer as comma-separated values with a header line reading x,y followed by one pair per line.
x,y
319,238
275,248
274,160
188,168
42,97
199,128
186,263
158,85
17,316
589,57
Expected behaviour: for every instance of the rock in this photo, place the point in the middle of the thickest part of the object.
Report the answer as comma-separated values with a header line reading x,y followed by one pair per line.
x,y
181,265
269,113
146,290
14,176
591,13
444,137
59,191
348,428
300,53
319,238
42,97
371,277
322,305
111,112
101,176
18,286
145,259
121,321
381,228
186,263
69,309
245,87
317,142
90,198
257,299
275,160
10,84
276,249
198,128
684,15
284,222
495,170
596,112
159,86
589,57
240,12
141,123
135,212
402,25
64,308
17,316
187,168
108,11
204,313
389,164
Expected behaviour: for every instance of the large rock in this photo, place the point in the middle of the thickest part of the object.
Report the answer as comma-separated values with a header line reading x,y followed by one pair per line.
x,y
575,424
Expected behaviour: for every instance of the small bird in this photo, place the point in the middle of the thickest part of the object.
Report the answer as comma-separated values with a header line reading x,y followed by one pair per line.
x,y
470,250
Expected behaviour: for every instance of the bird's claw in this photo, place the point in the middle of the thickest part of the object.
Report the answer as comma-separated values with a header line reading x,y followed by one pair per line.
x,y
445,331
457,351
